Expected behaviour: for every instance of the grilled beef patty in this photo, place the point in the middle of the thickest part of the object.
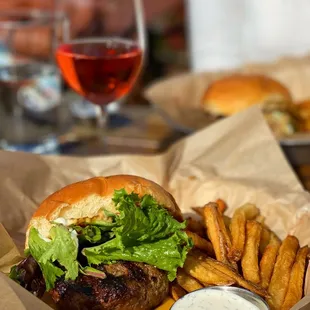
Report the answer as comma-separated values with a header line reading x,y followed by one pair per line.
x,y
128,286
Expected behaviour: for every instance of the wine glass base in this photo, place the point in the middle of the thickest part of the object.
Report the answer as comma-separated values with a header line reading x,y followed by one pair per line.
x,y
83,109
40,136
50,145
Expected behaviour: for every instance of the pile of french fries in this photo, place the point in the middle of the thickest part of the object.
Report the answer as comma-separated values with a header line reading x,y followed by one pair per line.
x,y
242,251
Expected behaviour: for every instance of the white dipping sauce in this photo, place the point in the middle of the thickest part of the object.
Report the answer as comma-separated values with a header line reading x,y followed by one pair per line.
x,y
211,300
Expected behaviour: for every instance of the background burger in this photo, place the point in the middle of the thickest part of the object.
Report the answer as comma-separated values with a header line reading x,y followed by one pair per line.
x,y
237,92
104,243
303,108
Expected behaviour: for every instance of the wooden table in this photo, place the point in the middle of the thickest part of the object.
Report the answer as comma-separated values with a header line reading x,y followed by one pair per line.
x,y
143,131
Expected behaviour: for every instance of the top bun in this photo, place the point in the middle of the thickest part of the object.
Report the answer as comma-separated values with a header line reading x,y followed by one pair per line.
x,y
237,92
87,199
303,110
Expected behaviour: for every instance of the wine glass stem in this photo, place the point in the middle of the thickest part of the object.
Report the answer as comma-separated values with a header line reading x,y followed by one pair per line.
x,y
17,114
17,110
102,120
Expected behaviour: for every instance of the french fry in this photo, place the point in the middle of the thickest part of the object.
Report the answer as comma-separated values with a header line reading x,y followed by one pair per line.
x,y
198,210
212,264
295,287
187,282
265,239
176,291
237,228
250,210
268,260
282,270
222,206
195,226
222,223
217,232
240,280
166,305
227,222
194,267
201,243
225,231
266,233
249,261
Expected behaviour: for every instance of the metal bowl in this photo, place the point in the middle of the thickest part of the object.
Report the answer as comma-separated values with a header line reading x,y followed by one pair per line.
x,y
297,148
245,294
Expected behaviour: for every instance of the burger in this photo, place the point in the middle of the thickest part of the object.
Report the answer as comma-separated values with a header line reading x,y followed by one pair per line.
x,y
237,92
104,243
303,108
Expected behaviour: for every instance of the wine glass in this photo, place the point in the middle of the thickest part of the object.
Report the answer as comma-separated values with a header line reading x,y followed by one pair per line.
x,y
103,68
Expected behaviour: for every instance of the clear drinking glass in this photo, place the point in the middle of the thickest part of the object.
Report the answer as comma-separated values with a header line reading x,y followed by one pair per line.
x,y
101,67
31,117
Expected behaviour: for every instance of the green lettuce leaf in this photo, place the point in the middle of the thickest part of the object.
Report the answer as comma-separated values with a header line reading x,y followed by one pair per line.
x,y
164,254
93,233
147,233
148,223
62,249
14,274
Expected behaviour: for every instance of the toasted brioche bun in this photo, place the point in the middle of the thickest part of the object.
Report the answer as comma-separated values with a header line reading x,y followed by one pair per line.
x,y
303,110
237,92
87,199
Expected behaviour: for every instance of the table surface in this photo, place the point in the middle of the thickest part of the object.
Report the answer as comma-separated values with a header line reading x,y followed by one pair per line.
x,y
134,129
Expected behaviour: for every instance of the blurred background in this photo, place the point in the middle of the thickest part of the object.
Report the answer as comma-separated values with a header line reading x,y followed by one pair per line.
x,y
166,54
44,111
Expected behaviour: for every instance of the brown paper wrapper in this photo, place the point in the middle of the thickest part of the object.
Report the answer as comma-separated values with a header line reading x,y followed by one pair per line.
x,y
179,98
236,159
